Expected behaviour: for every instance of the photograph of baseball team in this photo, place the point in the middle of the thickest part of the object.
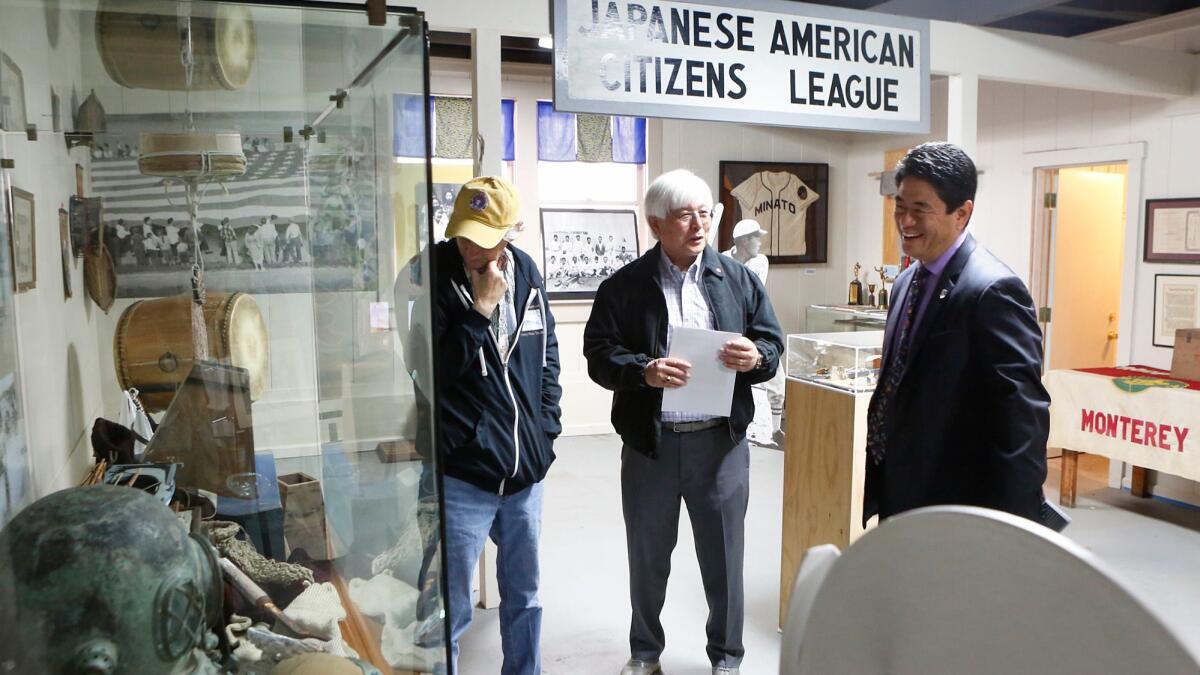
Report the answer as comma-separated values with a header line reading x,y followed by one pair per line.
x,y
584,247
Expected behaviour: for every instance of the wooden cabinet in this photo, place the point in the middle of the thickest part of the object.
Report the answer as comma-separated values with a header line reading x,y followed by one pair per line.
x,y
824,465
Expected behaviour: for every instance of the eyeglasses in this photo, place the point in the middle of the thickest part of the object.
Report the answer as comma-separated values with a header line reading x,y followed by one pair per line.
x,y
703,215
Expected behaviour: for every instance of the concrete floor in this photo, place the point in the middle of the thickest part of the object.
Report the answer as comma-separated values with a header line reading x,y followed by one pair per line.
x,y
1151,544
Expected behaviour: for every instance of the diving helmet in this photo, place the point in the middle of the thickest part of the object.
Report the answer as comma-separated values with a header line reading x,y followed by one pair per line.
x,y
104,579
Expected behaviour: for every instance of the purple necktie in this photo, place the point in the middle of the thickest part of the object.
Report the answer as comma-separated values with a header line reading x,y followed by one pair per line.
x,y
876,434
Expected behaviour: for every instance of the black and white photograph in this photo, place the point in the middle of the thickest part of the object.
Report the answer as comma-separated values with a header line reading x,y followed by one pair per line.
x,y
444,195
583,247
277,228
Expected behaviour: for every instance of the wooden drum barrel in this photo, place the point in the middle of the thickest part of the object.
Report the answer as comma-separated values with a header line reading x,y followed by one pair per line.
x,y
140,47
152,347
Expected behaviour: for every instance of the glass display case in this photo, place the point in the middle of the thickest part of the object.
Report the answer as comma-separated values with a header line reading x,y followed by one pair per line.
x,y
843,318
848,361
220,366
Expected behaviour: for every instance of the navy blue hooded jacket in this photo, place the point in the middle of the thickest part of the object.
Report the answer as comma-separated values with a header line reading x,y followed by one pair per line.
x,y
498,420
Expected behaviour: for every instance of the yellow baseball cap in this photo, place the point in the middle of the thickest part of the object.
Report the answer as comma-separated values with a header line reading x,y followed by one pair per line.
x,y
485,209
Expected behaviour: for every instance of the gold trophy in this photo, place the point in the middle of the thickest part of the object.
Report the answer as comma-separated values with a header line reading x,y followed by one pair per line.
x,y
856,288
883,294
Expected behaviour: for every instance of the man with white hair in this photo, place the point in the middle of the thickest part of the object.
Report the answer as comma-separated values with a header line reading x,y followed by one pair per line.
x,y
667,456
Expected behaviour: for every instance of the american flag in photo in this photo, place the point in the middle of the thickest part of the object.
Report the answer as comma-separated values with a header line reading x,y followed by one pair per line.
x,y
272,185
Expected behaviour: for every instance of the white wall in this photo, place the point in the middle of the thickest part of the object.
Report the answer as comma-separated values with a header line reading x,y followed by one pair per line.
x,y
59,354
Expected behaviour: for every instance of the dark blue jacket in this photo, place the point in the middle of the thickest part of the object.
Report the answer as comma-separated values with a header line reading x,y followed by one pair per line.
x,y
968,422
628,328
498,422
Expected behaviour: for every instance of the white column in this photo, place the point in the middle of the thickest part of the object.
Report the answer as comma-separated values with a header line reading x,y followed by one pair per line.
x,y
485,124
485,93
962,114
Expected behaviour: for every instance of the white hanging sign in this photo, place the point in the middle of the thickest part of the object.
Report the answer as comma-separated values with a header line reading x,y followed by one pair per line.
x,y
765,62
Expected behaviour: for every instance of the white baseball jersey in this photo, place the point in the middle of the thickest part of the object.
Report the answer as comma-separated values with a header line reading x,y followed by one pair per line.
x,y
779,201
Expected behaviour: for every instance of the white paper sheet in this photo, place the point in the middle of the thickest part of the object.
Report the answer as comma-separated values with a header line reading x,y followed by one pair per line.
x,y
709,390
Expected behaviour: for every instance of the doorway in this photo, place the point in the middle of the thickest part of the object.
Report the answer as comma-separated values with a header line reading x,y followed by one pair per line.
x,y
1078,261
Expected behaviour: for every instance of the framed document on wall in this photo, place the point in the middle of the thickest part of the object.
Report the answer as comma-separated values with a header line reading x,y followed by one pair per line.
x,y
1176,305
1172,231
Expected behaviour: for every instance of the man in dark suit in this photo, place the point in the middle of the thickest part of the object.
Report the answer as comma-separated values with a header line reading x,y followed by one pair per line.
x,y
960,415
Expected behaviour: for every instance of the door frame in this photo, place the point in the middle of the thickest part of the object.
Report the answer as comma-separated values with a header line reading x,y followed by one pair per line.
x,y
1132,154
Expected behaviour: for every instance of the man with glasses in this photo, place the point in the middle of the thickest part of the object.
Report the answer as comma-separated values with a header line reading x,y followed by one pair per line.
x,y
668,457
960,415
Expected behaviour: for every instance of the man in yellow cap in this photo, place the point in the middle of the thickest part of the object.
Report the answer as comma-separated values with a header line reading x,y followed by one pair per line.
x,y
498,393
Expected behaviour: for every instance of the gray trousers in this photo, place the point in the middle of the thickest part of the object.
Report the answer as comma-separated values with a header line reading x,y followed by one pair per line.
x,y
712,476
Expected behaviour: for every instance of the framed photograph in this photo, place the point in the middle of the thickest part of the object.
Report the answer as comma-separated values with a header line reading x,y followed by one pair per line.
x,y
12,96
444,195
1172,231
1176,305
790,200
21,238
291,224
64,238
583,247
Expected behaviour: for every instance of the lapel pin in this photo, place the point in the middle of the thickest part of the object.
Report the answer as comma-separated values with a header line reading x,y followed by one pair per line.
x,y
943,294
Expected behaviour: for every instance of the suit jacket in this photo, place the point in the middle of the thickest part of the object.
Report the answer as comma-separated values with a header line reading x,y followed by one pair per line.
x,y
969,420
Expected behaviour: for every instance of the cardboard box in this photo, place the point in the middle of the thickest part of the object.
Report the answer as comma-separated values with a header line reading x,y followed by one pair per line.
x,y
1185,364
304,525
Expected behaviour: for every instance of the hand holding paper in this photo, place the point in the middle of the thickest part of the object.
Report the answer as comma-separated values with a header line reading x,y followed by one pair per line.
x,y
668,373
740,354
709,389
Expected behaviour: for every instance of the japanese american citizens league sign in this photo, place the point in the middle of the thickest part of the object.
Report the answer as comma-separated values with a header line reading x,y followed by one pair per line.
x,y
767,62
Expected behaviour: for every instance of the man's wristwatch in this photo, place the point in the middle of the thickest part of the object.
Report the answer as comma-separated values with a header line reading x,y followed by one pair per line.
x,y
758,363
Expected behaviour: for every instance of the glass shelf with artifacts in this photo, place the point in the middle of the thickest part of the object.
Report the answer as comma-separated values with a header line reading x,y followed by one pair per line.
x,y
234,388
843,318
847,361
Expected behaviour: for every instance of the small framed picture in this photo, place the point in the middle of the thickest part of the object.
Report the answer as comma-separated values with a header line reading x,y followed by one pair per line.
x,y
583,247
22,240
64,238
1172,231
13,115
1176,305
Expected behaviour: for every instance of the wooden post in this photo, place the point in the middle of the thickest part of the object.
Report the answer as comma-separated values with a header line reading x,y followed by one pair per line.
x,y
1137,482
1069,478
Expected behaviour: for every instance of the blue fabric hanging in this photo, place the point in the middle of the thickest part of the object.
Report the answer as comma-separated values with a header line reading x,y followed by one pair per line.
x,y
556,134
409,136
409,125
629,140
506,125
